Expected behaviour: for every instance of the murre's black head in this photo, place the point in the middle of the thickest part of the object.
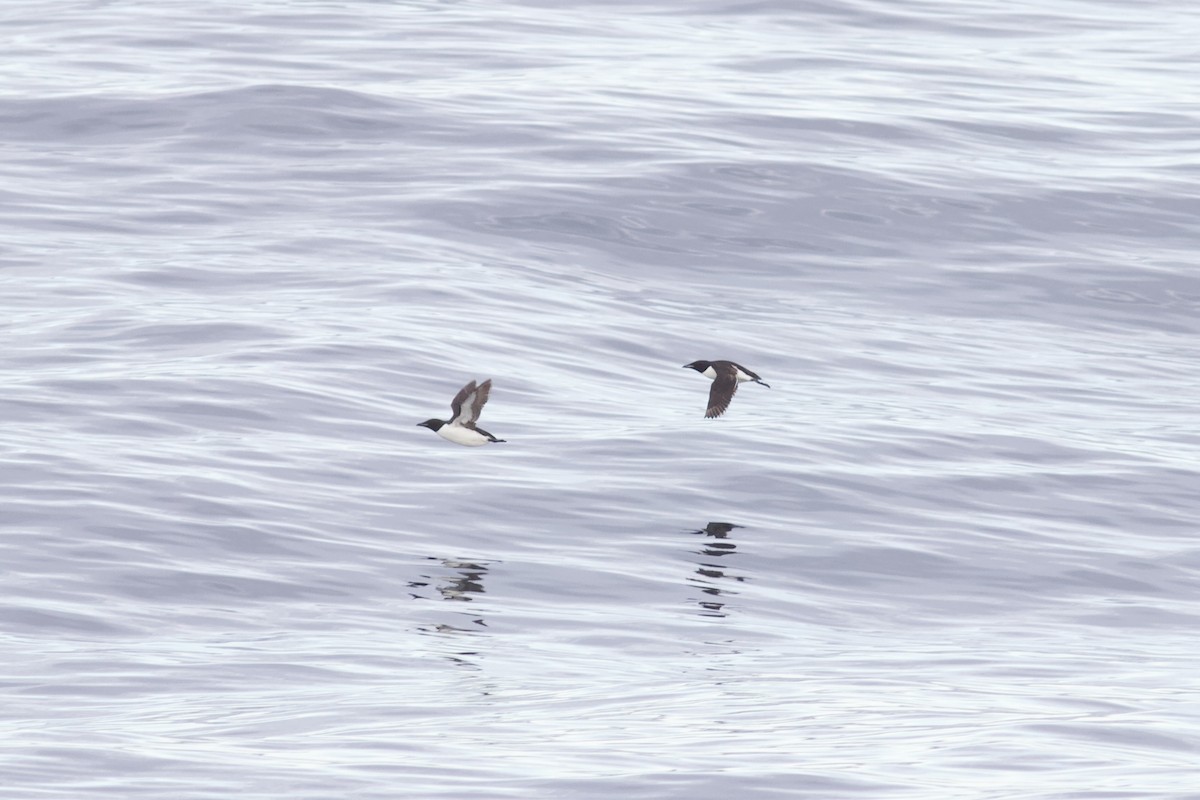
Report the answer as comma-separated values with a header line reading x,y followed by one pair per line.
x,y
699,366
432,424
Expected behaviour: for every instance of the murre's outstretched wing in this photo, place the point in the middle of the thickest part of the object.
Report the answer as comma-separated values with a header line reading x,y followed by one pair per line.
x,y
723,388
461,403
475,402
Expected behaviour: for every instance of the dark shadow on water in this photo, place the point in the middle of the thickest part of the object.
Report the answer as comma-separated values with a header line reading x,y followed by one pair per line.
x,y
711,575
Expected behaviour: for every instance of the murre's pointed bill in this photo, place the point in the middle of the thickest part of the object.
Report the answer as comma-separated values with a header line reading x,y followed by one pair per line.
x,y
464,412
726,375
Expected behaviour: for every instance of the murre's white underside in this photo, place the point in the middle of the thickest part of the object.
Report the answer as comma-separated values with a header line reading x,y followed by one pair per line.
x,y
460,435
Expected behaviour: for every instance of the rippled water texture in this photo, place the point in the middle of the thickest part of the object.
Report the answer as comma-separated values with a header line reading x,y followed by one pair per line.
x,y
950,553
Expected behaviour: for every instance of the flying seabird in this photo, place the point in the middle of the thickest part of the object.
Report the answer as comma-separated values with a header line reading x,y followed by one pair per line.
x,y
726,375
465,409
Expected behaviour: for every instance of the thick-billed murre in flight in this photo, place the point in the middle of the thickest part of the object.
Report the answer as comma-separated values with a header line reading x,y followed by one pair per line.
x,y
726,375
465,409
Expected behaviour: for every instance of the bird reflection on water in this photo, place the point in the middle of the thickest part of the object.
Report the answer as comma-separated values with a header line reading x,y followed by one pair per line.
x,y
465,579
718,545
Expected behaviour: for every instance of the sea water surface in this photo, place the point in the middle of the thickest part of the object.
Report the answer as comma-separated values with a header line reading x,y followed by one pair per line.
x,y
952,552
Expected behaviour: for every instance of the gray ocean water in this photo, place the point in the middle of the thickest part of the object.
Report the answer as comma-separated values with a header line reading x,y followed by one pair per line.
x,y
952,552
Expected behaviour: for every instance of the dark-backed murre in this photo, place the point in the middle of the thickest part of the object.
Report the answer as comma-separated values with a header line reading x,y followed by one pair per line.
x,y
726,375
465,409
